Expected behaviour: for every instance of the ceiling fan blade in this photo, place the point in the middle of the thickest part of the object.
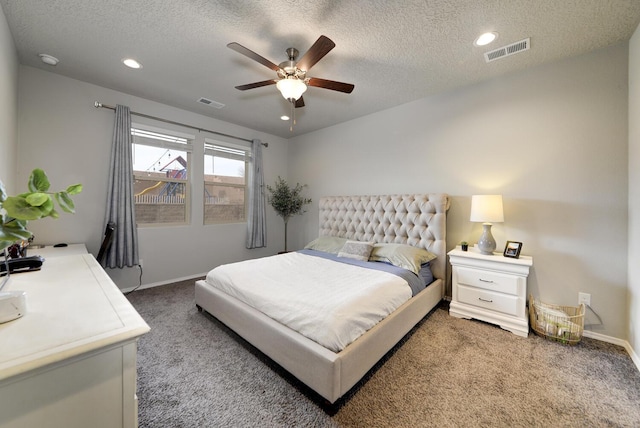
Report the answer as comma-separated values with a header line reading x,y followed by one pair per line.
x,y
320,48
254,56
331,84
257,84
300,102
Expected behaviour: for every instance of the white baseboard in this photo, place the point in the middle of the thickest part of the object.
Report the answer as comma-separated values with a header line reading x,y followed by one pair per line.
x,y
634,357
625,344
157,284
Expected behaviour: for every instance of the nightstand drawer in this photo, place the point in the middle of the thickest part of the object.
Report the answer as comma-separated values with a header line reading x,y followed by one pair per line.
x,y
487,280
504,303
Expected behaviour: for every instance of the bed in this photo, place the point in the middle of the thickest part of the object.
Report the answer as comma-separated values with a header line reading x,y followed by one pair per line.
x,y
418,220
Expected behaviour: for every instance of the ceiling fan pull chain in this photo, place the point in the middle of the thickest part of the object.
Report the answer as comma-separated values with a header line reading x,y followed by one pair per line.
x,y
293,117
293,109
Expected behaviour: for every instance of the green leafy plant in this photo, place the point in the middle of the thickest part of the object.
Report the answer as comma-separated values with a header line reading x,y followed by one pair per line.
x,y
287,201
17,211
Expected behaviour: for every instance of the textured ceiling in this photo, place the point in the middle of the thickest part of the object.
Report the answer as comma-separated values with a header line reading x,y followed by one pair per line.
x,y
393,51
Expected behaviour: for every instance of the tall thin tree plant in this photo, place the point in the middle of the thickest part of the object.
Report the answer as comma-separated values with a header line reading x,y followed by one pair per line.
x,y
287,201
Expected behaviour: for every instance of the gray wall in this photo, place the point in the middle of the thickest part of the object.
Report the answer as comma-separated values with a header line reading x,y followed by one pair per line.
x,y
8,106
634,192
552,140
63,133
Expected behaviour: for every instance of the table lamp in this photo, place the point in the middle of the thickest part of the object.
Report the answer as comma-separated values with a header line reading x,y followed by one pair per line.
x,y
486,209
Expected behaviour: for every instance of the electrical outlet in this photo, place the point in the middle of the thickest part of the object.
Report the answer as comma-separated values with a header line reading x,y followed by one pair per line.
x,y
584,298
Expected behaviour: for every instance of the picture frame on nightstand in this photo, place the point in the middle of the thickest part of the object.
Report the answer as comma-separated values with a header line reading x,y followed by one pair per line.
x,y
512,249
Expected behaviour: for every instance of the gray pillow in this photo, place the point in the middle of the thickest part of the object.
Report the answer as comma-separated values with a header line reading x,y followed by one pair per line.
x,y
356,250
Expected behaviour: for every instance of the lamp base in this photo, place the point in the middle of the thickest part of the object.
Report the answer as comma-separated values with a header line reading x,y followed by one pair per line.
x,y
486,244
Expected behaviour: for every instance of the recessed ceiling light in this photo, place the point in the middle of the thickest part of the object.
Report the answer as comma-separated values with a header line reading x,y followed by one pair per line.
x,y
131,63
48,59
285,117
486,38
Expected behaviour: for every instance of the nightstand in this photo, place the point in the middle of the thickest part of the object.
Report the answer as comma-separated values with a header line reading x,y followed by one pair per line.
x,y
490,288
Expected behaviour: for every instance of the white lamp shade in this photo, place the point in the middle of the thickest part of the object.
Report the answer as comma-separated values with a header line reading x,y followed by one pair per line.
x,y
291,88
487,209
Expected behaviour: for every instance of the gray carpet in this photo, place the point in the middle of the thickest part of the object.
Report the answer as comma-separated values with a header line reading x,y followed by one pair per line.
x,y
447,372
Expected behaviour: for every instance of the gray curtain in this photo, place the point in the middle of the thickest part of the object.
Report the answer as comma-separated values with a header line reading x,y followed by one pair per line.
x,y
120,203
256,217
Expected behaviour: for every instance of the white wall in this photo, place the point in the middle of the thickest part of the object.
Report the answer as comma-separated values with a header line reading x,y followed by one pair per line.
x,y
8,106
62,132
552,140
634,192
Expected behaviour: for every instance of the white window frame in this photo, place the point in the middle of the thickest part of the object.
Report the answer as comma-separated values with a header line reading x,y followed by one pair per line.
x,y
176,141
231,151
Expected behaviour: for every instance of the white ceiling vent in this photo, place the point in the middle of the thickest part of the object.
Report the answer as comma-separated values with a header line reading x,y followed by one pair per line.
x,y
505,51
209,102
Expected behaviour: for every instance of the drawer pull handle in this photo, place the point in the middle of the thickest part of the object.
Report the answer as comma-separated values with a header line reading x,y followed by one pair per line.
x,y
485,280
485,300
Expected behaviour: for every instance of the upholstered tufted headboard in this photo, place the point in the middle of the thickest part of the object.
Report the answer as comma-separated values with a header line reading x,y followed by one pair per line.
x,y
418,220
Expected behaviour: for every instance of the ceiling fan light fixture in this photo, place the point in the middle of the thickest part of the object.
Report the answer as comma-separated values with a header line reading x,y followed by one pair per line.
x,y
291,88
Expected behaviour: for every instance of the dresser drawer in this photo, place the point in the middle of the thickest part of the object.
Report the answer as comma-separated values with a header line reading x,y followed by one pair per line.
x,y
503,283
505,303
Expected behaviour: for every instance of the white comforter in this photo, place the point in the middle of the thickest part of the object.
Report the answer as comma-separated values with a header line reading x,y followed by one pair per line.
x,y
328,302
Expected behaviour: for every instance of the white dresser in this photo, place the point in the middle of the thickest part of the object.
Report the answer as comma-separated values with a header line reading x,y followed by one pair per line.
x,y
491,288
70,361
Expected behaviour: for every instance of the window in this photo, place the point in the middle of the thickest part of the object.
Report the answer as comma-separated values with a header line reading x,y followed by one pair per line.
x,y
225,182
161,161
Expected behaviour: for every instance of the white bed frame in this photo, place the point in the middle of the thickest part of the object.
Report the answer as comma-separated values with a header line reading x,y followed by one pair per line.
x,y
418,220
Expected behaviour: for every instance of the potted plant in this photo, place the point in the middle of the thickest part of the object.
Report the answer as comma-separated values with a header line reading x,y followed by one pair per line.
x,y
464,245
287,201
17,211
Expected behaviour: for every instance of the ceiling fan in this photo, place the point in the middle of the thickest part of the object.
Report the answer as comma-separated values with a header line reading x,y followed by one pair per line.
x,y
292,79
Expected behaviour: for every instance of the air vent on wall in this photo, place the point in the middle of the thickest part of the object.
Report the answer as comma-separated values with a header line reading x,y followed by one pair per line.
x,y
211,103
505,51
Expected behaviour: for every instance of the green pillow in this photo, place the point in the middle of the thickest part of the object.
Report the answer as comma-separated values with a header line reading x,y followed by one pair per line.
x,y
328,244
401,255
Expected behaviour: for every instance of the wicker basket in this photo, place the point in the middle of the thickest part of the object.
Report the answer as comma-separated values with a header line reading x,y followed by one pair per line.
x,y
563,324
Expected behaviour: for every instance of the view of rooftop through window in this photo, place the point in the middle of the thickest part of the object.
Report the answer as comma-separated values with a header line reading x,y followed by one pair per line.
x,y
161,164
161,173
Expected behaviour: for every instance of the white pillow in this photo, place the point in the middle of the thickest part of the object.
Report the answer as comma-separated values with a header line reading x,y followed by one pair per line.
x,y
328,244
356,250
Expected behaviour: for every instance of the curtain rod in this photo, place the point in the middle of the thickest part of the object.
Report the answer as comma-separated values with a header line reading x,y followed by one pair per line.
x,y
98,104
